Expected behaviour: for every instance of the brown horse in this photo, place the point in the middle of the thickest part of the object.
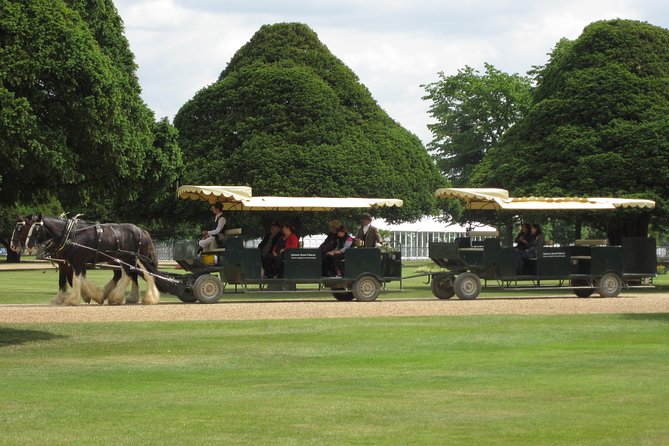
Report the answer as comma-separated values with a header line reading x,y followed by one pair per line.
x,y
77,243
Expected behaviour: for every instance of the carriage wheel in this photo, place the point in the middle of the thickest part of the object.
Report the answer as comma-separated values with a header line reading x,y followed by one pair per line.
x,y
366,288
582,292
442,286
467,286
343,296
187,296
208,289
609,285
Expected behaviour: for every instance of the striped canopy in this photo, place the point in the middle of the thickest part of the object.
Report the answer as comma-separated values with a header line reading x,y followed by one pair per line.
x,y
239,198
498,199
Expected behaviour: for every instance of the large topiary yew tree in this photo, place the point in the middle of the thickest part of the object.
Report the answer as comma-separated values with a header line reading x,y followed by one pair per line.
x,y
289,118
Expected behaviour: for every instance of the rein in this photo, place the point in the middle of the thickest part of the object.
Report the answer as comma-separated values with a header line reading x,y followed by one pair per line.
x,y
68,237
121,262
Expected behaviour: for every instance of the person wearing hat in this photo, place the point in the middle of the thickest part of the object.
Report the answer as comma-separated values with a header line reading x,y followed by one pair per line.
x,y
368,236
210,238
330,241
333,261
267,246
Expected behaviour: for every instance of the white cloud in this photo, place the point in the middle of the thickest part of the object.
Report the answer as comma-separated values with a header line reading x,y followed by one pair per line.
x,y
393,45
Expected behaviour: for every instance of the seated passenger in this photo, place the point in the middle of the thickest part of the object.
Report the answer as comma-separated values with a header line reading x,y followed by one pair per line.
x,y
522,243
330,241
368,236
333,261
287,241
523,238
211,238
536,242
267,247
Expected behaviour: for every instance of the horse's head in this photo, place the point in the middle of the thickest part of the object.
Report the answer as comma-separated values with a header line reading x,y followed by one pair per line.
x,y
20,232
36,231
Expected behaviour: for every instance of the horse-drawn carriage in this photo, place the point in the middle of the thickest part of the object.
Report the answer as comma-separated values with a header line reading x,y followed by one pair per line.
x,y
585,266
366,268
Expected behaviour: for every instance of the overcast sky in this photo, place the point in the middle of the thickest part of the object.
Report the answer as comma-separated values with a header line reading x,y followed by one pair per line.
x,y
394,46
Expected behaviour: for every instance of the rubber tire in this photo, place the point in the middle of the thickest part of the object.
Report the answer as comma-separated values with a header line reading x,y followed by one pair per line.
x,y
208,289
343,297
188,297
609,285
366,289
467,286
442,286
582,292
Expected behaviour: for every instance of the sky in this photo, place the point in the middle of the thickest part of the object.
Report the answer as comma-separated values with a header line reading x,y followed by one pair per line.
x,y
394,46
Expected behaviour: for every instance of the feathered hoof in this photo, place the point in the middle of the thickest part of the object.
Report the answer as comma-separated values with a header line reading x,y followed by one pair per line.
x,y
133,297
59,299
150,299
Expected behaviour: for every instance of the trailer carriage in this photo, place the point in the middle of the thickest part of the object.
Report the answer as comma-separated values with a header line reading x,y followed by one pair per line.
x,y
585,266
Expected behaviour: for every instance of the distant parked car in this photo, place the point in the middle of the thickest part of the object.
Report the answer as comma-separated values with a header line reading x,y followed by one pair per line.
x,y
3,251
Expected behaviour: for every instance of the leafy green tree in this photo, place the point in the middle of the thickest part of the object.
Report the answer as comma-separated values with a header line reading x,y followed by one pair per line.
x,y
288,118
72,123
472,112
156,209
598,125
72,117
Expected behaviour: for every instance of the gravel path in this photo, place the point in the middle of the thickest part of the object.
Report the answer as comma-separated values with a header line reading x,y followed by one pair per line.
x,y
257,310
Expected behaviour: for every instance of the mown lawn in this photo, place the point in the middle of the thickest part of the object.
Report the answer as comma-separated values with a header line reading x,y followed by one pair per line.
x,y
571,380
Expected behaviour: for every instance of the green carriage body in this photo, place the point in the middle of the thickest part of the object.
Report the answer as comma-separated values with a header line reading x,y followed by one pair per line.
x,y
586,266
365,270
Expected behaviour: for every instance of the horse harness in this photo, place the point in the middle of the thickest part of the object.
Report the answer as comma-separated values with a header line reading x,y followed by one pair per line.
x,y
68,235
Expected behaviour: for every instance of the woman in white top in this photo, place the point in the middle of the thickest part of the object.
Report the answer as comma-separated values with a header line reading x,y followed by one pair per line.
x,y
208,241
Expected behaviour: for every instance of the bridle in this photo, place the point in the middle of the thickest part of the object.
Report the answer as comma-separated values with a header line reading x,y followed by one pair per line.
x,y
16,242
35,234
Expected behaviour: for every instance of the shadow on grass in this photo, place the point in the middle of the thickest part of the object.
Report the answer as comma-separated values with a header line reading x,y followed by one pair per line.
x,y
15,336
655,317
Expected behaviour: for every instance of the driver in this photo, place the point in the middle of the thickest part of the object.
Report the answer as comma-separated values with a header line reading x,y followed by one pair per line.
x,y
209,238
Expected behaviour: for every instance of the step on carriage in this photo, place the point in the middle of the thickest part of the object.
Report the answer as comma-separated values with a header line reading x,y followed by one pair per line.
x,y
366,270
585,266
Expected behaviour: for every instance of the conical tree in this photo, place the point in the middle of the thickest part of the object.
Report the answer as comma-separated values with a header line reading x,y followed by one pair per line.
x,y
599,123
288,118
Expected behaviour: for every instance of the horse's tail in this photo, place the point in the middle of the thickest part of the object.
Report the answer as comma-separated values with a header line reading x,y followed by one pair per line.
x,y
150,262
150,257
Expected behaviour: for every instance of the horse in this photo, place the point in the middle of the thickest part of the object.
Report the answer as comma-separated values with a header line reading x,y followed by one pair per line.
x,y
19,236
20,232
78,242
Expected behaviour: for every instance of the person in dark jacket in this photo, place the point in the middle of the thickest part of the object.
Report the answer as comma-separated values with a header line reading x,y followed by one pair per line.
x,y
267,246
368,236
333,261
523,238
330,241
535,245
